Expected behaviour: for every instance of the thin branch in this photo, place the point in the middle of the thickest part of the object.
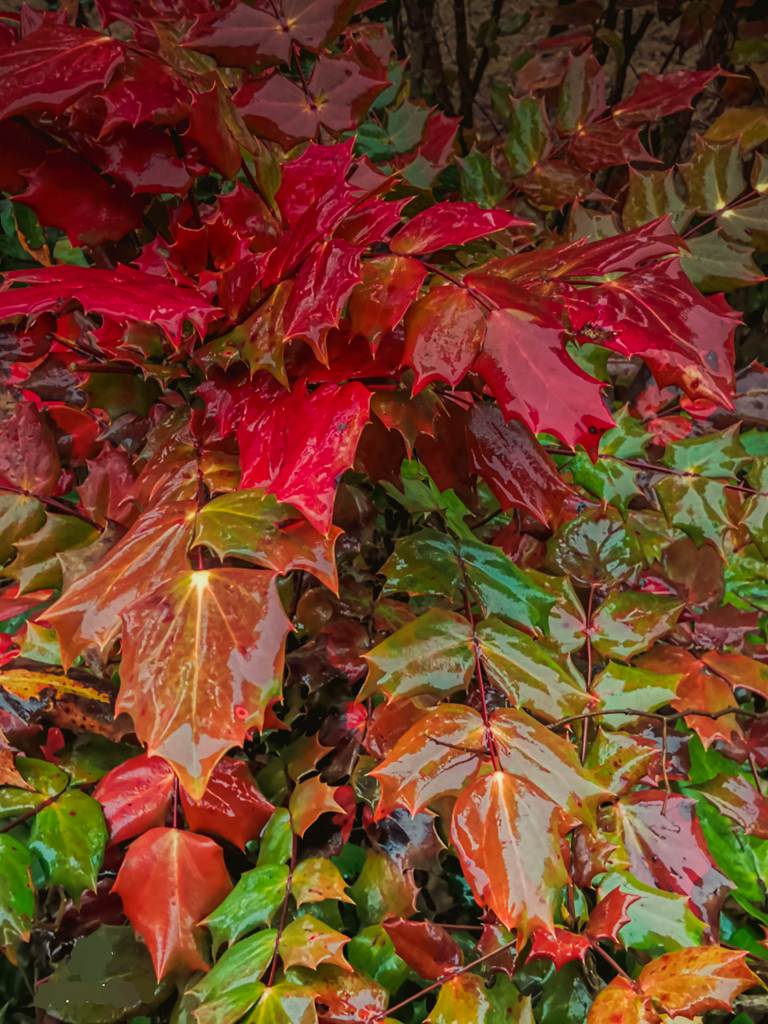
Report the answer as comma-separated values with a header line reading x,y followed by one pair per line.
x,y
35,811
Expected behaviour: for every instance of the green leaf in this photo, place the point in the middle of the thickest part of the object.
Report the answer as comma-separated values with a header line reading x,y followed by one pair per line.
x,y
623,686
729,848
372,952
480,181
653,194
20,515
17,895
529,672
250,905
714,177
382,890
431,654
233,985
69,837
276,842
659,922
44,777
595,548
108,978
565,997
715,264
284,1003
630,622
528,135
36,566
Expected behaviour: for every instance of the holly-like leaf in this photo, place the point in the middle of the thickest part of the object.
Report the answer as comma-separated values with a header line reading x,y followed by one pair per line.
x,y
135,796
628,623
621,1001
209,646
297,446
309,800
53,66
658,96
383,889
444,332
738,799
29,459
388,286
168,882
232,806
309,942
316,879
233,985
557,396
516,868
152,550
254,526
69,837
36,565
124,294
450,224
695,981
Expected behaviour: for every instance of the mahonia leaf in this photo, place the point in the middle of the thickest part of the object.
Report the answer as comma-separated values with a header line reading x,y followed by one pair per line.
x,y
168,882
135,796
316,879
425,946
308,942
232,806
233,985
694,981
17,901
388,286
250,905
69,837
450,224
208,645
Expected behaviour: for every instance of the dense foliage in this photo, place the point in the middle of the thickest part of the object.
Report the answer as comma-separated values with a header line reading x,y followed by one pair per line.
x,y
384,509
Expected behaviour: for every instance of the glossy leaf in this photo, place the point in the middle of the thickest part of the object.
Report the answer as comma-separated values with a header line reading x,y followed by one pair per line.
x,y
17,902
135,796
69,837
308,942
168,882
250,905
232,806
695,981
450,224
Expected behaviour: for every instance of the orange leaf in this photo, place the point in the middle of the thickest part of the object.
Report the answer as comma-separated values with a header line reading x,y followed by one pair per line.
x,y
309,800
152,550
507,836
168,882
695,981
620,1003
202,658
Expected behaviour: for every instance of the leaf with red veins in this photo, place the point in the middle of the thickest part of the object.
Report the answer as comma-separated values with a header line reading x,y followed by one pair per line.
x,y
53,66
451,223
144,90
202,659
29,459
135,796
124,294
339,93
144,158
666,848
621,1003
240,35
560,946
432,759
609,916
426,947
657,96
507,837
444,332
532,377
388,286
297,445
66,193
656,313
323,284
232,806
306,180
169,881
694,981
88,613
514,465
606,144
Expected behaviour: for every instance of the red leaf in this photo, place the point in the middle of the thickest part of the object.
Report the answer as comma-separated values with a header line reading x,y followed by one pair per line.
x,y
29,459
559,946
657,96
338,95
307,180
610,915
209,131
514,465
65,192
135,796
53,66
606,144
144,158
145,89
444,332
388,286
320,289
241,35
694,981
21,148
533,378
232,806
124,294
451,223
168,882
296,445
426,947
